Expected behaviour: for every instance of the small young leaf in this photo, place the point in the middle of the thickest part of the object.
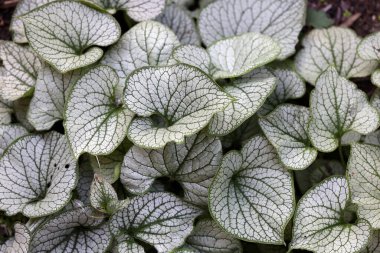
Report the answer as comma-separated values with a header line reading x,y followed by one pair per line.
x,y
66,33
282,20
17,26
238,55
324,225
286,129
249,92
47,104
37,175
363,175
160,219
8,134
171,102
335,47
96,120
22,66
208,237
19,243
76,230
145,44
338,107
252,194
181,23
193,164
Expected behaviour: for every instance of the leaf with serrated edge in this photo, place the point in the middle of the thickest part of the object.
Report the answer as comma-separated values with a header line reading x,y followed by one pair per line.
x,y
369,47
252,194
66,33
96,120
335,46
19,243
9,133
37,175
363,176
17,26
374,245
22,66
337,107
181,23
192,164
208,237
195,56
48,102
180,95
319,225
76,230
102,195
286,129
160,219
249,92
282,20
289,85
241,54
148,43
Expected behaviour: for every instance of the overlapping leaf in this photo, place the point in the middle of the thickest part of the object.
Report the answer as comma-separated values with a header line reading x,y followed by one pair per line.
x,y
145,44
66,34
324,225
335,47
96,120
8,134
363,176
76,230
19,243
286,129
160,219
249,92
375,77
171,102
252,195
181,23
338,107
282,20
374,245
5,110
37,175
21,65
48,102
17,26
193,164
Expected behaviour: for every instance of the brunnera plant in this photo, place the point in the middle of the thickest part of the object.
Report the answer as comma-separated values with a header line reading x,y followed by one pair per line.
x,y
183,126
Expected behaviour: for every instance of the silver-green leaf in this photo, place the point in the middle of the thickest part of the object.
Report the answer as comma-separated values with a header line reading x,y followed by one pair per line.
x,y
171,102
96,119
66,34
9,133
252,195
19,243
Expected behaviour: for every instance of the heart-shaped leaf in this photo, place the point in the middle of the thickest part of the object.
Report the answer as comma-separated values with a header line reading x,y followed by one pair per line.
x,y
19,243
181,23
17,26
37,175
338,107
249,92
21,65
241,54
208,237
282,20
252,194
286,129
69,42
335,47
96,120
323,222
139,10
289,85
192,164
160,219
363,175
48,102
9,133
171,102
76,230
145,44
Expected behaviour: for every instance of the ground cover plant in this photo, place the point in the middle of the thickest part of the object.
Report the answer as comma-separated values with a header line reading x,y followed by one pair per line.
x,y
189,127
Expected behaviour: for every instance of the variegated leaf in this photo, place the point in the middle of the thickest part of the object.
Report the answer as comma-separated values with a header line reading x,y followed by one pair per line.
x,y
9,133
